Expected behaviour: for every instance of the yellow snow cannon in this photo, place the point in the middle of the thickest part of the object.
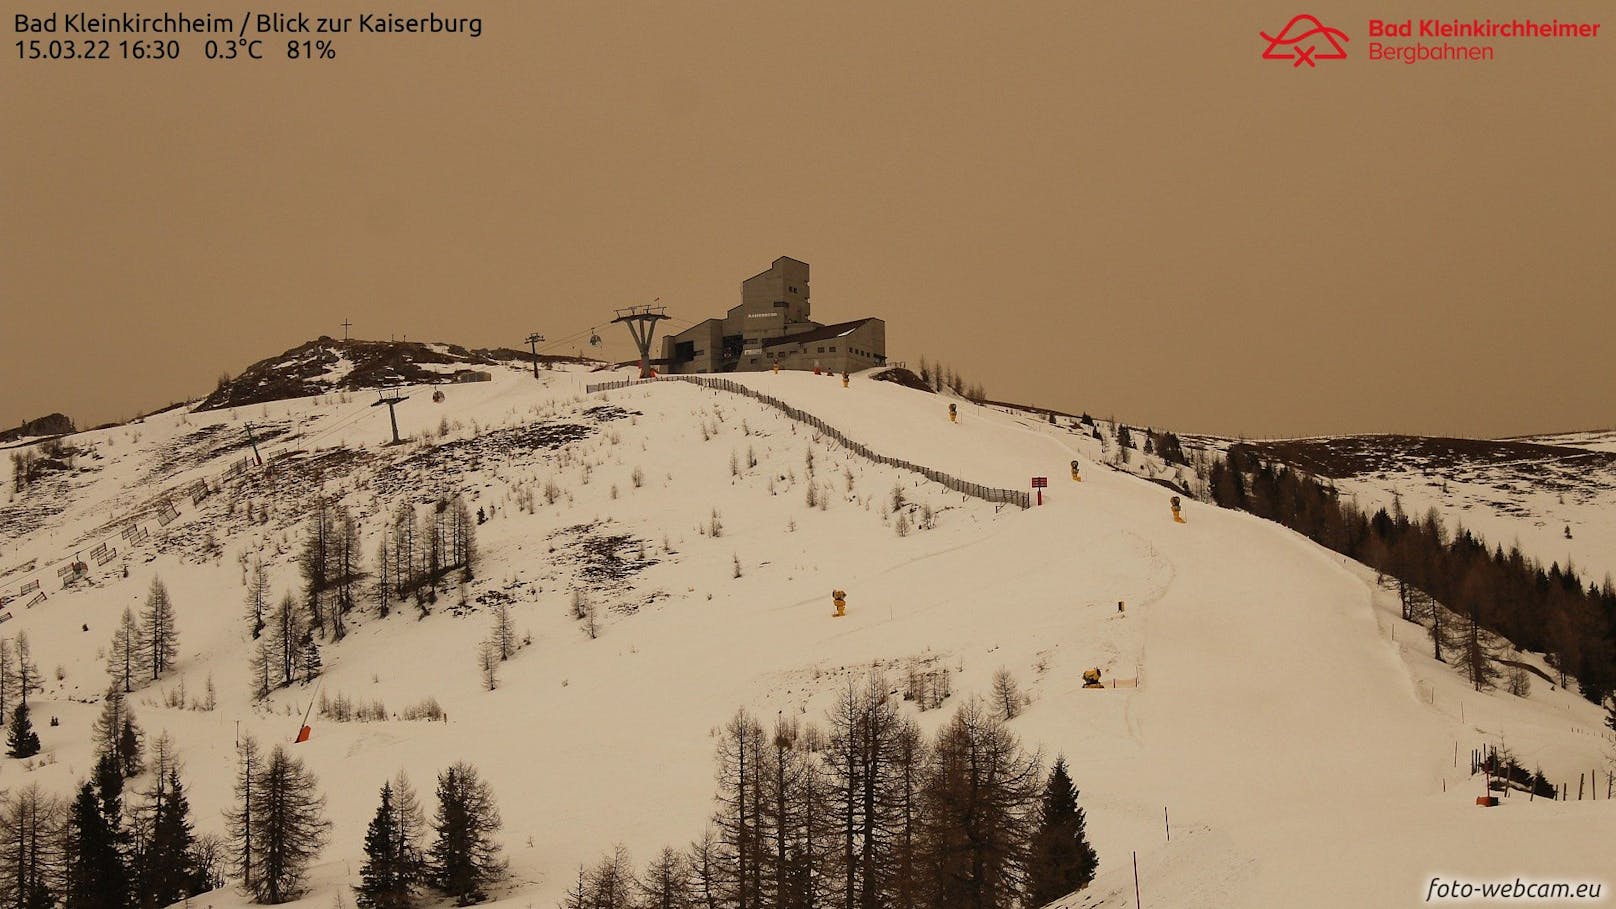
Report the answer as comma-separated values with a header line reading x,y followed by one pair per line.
x,y
1091,678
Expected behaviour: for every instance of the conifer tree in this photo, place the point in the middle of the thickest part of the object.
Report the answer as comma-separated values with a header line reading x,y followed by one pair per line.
x,y
979,805
909,757
310,659
666,884
384,578
781,823
611,883
8,674
239,826
864,770
169,872
159,636
703,859
488,663
258,598
315,564
262,670
27,680
384,882
435,539
739,848
21,740
463,539
345,567
286,636
464,858
503,633
411,823
578,894
125,655
96,877
129,747
288,827
405,551
29,848
1061,859
108,781
108,730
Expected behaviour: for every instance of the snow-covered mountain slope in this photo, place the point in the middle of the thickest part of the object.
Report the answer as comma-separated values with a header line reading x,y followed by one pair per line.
x,y
1597,440
1306,748
1552,496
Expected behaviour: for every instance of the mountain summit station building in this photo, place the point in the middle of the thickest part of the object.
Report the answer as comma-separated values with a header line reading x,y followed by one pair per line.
x,y
771,328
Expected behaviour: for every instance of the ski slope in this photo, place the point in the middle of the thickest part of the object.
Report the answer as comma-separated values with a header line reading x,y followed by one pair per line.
x,y
1292,728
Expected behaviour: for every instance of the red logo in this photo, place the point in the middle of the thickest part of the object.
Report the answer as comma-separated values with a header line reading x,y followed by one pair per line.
x,y
1305,39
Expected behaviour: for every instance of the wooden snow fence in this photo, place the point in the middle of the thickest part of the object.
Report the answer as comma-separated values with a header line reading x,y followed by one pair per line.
x,y
997,496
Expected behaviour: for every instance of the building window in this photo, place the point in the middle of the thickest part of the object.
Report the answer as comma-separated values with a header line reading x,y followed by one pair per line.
x,y
833,348
821,350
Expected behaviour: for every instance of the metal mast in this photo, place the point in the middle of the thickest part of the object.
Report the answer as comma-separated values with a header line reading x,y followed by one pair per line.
x,y
641,322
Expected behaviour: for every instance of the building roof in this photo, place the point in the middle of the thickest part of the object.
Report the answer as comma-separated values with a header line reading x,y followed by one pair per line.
x,y
776,264
821,333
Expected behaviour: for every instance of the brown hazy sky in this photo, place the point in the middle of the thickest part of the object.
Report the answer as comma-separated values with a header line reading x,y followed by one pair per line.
x,y
1116,207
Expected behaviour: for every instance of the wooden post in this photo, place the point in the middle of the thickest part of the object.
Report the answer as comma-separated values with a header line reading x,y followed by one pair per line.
x,y
1579,787
1167,825
1136,904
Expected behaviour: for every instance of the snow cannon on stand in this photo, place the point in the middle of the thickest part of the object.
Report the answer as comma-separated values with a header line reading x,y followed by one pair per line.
x,y
839,597
1077,475
1091,678
953,413
1178,514
303,729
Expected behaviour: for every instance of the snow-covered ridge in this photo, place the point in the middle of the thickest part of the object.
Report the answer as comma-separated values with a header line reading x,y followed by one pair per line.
x,y
326,364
